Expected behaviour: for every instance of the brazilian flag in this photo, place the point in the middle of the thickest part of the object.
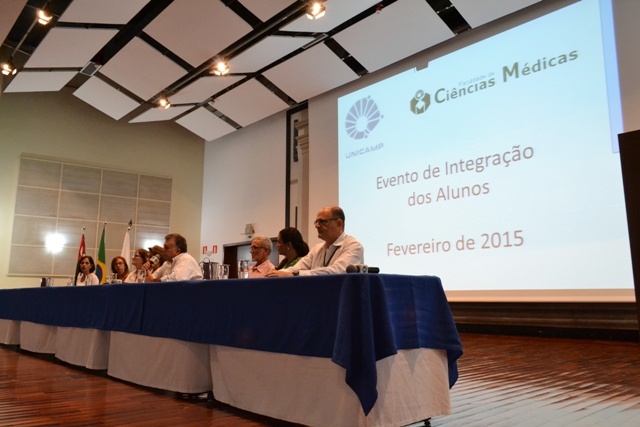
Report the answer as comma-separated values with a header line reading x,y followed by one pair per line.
x,y
101,267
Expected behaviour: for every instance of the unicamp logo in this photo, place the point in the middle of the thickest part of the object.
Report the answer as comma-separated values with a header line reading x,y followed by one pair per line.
x,y
420,102
362,118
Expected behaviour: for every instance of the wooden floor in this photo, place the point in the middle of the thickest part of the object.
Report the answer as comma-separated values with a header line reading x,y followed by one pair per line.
x,y
504,381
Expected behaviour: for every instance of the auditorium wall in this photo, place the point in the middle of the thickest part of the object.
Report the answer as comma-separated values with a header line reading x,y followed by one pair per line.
x,y
60,126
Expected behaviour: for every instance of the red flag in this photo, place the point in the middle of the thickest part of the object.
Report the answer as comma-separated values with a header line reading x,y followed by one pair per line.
x,y
82,251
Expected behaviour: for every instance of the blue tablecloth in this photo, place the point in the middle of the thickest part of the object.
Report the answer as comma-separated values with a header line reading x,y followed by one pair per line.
x,y
354,319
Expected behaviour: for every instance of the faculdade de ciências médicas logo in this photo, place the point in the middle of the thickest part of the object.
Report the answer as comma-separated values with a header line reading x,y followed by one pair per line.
x,y
420,102
362,118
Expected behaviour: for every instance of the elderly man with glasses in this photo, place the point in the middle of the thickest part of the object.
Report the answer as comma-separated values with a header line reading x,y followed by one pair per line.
x,y
338,251
260,249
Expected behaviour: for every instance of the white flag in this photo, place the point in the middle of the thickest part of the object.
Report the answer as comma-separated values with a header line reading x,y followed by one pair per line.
x,y
126,248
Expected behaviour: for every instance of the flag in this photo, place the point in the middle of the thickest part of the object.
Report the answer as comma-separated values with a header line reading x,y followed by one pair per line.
x,y
101,266
126,245
82,250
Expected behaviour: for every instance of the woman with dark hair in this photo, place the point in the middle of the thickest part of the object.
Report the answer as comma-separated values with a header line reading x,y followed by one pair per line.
x,y
86,277
292,246
139,274
120,268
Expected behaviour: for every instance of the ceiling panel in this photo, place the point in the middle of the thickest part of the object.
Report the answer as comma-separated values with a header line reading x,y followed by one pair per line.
x,y
148,49
375,43
102,12
266,9
316,70
249,103
203,88
69,47
337,11
211,27
10,11
142,69
265,52
205,124
40,81
478,13
110,101
160,114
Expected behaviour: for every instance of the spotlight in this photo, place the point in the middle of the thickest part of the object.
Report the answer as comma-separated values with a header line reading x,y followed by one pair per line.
x,y
221,68
316,10
43,17
8,68
163,103
54,243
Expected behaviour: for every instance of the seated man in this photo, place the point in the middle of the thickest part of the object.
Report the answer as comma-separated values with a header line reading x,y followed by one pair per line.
x,y
179,265
338,251
261,248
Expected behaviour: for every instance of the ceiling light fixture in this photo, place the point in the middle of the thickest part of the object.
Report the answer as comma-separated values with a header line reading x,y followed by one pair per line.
x,y
8,68
43,17
163,103
316,10
221,68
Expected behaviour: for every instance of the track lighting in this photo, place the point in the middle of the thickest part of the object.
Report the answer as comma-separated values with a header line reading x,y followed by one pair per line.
x,y
163,103
221,68
43,17
316,10
8,68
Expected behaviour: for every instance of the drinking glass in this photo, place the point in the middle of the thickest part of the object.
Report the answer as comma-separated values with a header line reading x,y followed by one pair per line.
x,y
141,276
224,271
243,269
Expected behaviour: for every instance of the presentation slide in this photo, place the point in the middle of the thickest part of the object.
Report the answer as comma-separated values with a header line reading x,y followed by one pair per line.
x,y
495,167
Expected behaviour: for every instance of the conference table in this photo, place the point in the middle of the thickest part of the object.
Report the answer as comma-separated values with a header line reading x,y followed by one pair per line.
x,y
341,350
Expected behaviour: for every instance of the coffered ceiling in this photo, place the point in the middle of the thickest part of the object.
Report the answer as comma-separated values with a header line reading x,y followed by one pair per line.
x,y
122,56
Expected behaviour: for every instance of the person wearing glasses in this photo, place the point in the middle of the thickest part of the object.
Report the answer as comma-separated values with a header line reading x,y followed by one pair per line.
x,y
179,265
138,274
338,251
260,249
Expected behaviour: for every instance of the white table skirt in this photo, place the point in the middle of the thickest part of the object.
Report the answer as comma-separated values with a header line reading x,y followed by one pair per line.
x,y
38,338
83,347
413,385
162,363
9,332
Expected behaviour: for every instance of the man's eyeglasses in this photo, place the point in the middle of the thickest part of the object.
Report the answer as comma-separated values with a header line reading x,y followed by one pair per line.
x,y
324,221
255,248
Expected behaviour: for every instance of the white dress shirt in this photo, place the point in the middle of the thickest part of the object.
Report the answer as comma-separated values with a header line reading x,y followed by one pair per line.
x,y
182,267
332,259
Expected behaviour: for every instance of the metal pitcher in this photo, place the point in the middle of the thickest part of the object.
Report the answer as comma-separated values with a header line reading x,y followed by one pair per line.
x,y
210,270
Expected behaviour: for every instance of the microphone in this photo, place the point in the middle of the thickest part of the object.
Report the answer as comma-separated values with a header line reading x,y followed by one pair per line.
x,y
362,268
352,269
154,260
